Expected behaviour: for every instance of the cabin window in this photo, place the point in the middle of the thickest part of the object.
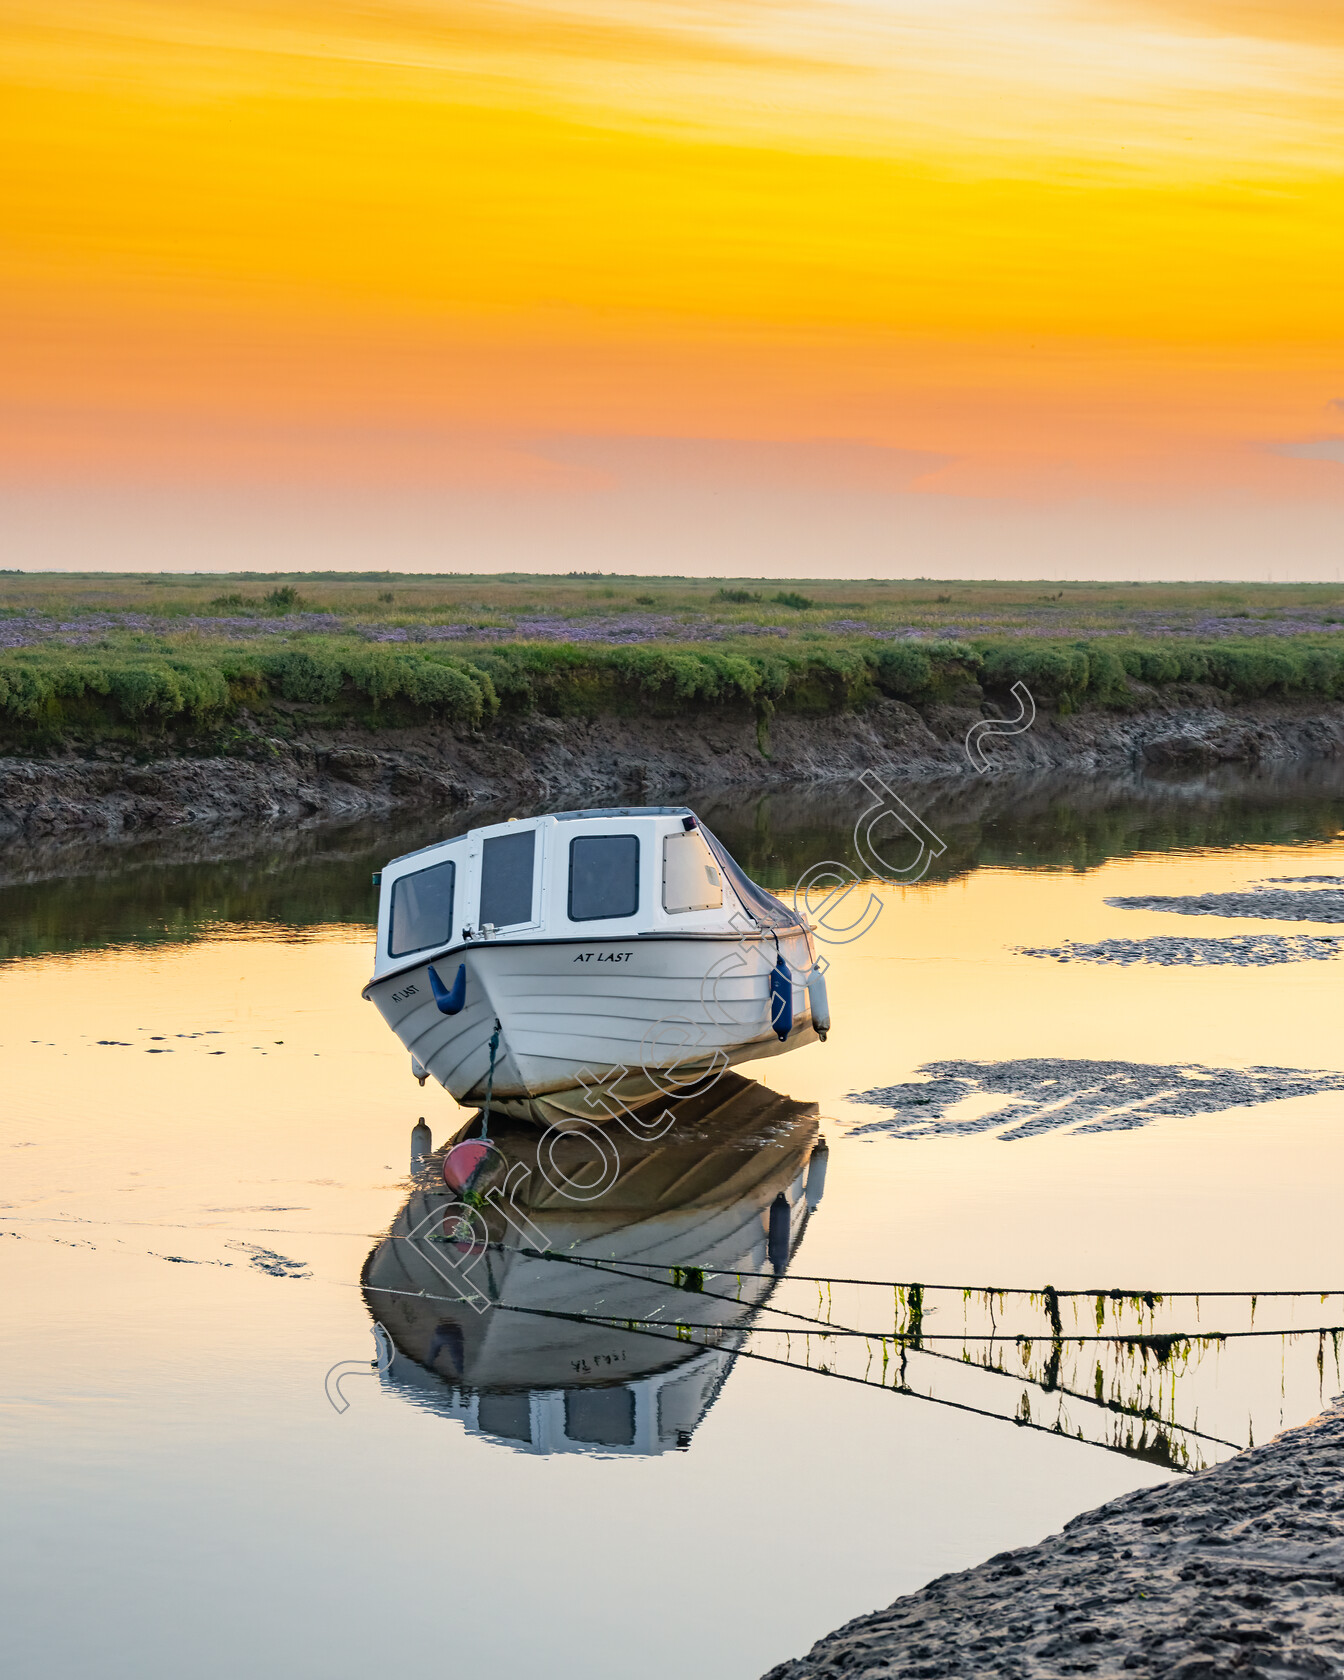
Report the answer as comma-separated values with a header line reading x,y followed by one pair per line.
x,y
600,1417
603,877
691,880
505,1415
506,878
422,910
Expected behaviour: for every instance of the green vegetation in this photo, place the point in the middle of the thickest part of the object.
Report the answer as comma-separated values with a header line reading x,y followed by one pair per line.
x,y
959,610
199,686
131,657
52,691
284,599
1100,672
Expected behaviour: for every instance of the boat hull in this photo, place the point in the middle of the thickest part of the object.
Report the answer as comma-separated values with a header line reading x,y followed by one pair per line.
x,y
588,1027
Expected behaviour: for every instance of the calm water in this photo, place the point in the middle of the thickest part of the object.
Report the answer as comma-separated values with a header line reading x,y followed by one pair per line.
x,y
206,1140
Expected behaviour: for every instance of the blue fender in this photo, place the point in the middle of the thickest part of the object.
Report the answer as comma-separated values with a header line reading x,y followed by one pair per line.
x,y
450,1001
777,1237
781,999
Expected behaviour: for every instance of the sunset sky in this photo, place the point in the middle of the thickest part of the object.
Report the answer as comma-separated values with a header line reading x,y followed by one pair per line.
x,y
835,287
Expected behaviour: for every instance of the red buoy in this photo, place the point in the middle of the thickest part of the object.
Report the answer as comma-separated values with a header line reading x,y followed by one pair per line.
x,y
461,1162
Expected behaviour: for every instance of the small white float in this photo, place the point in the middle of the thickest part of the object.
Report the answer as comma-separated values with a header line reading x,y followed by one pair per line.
x,y
573,964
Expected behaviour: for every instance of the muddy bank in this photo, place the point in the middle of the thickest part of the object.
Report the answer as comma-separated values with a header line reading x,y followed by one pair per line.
x,y
71,890
305,772
1238,1571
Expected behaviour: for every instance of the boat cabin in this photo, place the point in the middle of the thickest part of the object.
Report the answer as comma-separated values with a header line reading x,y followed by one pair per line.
x,y
573,875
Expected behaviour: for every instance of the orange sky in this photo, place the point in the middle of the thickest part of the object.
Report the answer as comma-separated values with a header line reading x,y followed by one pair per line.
x,y
928,257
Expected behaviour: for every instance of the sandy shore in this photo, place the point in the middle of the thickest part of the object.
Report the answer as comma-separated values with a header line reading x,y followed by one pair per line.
x,y
1238,1571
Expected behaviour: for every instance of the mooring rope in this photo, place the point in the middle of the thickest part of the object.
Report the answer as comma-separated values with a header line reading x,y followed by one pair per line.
x,y
1136,1338
1162,1425
490,1080
1108,1293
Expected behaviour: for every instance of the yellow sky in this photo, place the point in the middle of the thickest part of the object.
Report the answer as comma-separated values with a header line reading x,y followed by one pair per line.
x,y
1051,245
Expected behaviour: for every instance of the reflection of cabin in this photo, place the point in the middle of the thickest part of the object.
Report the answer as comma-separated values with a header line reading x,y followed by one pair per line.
x,y
727,1190
654,1415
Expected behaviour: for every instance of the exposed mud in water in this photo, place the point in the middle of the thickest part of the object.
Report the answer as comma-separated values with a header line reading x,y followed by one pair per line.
x,y
1241,950
1263,904
273,1264
1040,1095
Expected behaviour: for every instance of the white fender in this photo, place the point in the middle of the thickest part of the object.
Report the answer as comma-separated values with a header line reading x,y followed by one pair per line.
x,y
816,1175
821,1009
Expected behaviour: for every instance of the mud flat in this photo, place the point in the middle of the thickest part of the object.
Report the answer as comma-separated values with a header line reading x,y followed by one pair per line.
x,y
1262,950
292,769
1320,904
1238,1571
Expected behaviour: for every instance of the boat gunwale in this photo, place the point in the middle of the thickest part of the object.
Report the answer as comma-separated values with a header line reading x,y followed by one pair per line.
x,y
728,935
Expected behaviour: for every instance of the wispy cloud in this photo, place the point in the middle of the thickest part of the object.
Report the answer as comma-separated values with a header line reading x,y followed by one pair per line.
x,y
1316,22
1315,449
1034,249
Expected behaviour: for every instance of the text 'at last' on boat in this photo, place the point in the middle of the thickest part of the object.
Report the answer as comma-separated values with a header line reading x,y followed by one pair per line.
x,y
534,1319
528,963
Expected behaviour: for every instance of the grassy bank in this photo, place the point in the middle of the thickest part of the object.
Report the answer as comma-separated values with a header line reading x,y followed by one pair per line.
x,y
661,606
151,685
56,691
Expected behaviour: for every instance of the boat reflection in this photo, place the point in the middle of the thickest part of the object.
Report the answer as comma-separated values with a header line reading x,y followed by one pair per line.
x,y
610,1324
488,1290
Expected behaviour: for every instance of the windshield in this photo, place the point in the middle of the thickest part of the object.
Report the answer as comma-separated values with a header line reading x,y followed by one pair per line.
x,y
764,906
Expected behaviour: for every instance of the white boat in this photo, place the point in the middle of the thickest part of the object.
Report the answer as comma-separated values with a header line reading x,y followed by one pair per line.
x,y
570,966
699,1225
